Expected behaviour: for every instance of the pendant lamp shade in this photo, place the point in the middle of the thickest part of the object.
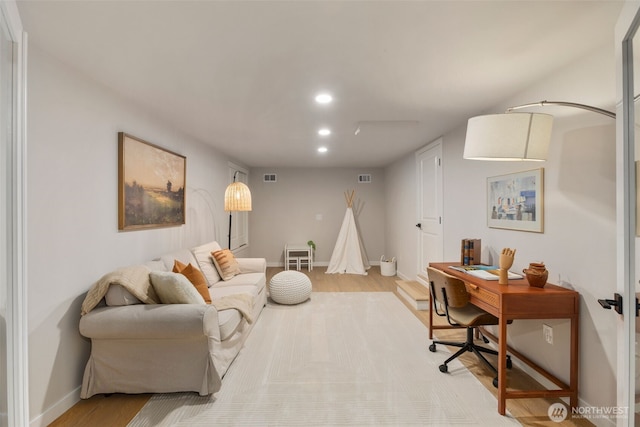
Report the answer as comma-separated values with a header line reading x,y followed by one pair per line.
x,y
237,197
512,136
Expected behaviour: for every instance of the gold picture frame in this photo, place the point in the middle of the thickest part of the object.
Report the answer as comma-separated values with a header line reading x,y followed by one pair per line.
x,y
516,201
151,185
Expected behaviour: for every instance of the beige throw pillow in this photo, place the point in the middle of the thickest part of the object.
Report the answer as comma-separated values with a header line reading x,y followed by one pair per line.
x,y
225,263
174,288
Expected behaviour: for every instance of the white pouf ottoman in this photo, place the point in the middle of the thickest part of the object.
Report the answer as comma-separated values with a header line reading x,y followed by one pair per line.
x,y
290,287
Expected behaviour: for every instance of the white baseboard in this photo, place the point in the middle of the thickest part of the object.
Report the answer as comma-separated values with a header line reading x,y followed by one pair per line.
x,y
59,408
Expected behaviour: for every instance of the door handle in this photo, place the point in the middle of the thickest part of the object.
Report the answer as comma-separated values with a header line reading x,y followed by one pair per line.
x,y
419,225
616,303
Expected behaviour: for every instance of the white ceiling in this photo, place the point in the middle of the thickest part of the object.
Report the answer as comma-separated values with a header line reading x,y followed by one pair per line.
x,y
241,75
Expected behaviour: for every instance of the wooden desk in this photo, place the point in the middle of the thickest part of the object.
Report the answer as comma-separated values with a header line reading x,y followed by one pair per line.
x,y
518,300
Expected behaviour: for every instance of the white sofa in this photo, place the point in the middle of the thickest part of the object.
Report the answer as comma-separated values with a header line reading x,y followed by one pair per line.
x,y
160,348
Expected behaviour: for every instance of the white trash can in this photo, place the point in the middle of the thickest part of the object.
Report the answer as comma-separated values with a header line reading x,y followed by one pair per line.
x,y
387,266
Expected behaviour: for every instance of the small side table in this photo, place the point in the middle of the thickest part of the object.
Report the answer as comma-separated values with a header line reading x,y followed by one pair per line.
x,y
298,253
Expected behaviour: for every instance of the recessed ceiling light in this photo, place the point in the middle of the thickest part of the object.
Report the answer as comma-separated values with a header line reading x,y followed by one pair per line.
x,y
324,132
323,98
322,150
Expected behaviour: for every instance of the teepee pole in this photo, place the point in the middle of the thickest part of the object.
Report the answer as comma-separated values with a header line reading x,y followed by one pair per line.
x,y
349,197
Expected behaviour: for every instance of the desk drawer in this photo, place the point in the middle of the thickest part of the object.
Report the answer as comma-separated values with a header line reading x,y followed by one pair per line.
x,y
483,295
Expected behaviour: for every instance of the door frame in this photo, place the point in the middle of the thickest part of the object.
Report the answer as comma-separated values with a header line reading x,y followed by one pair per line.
x,y
626,29
16,268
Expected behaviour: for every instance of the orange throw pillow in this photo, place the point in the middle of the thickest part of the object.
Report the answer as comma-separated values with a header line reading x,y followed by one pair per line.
x,y
196,278
225,263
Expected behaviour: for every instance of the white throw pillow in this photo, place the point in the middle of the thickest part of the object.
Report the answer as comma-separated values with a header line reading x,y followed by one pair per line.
x,y
205,261
174,288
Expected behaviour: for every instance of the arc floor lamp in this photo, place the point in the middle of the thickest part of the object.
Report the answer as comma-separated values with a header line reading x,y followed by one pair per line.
x,y
237,197
515,136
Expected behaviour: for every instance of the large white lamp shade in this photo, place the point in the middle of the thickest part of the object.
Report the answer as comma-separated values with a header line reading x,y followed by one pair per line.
x,y
512,136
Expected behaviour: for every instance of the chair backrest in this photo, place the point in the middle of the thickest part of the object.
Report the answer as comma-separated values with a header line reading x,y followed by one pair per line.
x,y
456,291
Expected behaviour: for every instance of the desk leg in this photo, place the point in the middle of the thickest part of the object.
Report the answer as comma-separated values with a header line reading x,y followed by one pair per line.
x,y
573,376
502,365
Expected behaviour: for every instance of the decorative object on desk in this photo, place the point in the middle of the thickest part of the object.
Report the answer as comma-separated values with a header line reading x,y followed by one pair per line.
x,y
536,274
515,201
237,197
506,261
470,251
312,244
485,272
151,183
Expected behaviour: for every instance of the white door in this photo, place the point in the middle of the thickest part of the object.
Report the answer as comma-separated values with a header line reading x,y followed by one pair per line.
x,y
429,175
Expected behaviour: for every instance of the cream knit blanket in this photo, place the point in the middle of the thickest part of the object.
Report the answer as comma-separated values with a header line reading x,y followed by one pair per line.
x,y
241,302
135,279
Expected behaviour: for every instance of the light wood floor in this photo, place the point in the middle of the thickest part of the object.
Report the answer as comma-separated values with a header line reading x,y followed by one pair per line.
x,y
118,409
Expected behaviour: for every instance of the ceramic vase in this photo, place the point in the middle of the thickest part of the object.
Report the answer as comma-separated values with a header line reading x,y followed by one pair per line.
x,y
536,274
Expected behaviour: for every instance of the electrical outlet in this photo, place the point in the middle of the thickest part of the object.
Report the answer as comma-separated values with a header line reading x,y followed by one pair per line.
x,y
547,332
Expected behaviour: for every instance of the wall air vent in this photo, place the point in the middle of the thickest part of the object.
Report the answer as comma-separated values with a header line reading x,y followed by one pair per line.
x,y
270,177
364,178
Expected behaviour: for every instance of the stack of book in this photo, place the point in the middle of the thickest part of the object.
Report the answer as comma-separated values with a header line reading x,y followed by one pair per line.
x,y
470,252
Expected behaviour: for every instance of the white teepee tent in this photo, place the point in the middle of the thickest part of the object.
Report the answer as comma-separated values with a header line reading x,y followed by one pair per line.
x,y
349,255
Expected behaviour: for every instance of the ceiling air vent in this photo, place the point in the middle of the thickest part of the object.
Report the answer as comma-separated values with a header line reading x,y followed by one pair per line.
x,y
270,177
364,178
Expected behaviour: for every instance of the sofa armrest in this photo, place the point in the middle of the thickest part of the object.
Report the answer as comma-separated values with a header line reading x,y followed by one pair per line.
x,y
151,321
252,265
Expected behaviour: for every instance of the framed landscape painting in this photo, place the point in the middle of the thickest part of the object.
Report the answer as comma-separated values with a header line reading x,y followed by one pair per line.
x,y
515,201
151,183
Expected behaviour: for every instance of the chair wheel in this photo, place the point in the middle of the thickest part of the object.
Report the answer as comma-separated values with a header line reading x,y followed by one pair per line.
x,y
495,382
432,348
444,368
509,363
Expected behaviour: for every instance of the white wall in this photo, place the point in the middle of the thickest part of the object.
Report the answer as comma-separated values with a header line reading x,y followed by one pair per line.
x,y
286,211
578,243
73,224
401,207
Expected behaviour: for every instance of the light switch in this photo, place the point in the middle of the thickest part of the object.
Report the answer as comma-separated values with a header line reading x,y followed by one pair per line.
x,y
318,217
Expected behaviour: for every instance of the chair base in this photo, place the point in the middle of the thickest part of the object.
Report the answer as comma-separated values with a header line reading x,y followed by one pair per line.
x,y
469,345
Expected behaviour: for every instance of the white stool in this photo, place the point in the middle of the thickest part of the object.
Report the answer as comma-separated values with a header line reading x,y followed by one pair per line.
x,y
290,287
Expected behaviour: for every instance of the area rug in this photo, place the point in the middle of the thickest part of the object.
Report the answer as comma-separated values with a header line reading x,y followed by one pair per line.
x,y
339,359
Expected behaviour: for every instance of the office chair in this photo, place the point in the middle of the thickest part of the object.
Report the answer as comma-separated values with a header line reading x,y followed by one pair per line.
x,y
450,293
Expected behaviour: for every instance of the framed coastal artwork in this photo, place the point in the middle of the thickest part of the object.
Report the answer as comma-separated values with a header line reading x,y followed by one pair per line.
x,y
151,183
515,201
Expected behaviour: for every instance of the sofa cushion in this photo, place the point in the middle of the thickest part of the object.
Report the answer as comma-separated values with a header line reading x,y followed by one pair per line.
x,y
196,278
257,280
174,288
225,263
203,256
183,255
156,265
118,295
